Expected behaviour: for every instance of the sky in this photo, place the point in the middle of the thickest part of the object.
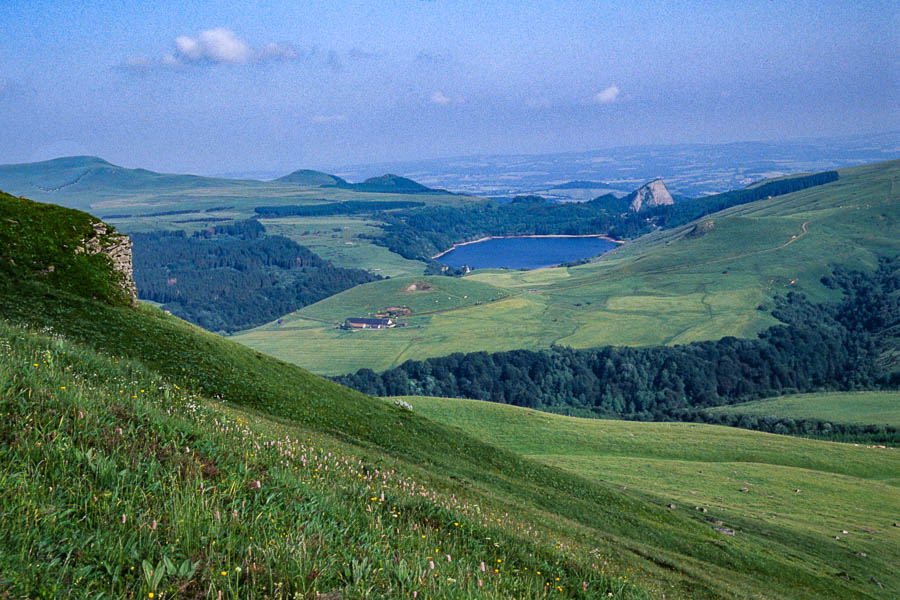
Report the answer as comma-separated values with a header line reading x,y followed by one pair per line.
x,y
226,86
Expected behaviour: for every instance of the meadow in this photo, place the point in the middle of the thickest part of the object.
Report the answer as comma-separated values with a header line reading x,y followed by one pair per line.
x,y
670,287
151,457
858,408
826,505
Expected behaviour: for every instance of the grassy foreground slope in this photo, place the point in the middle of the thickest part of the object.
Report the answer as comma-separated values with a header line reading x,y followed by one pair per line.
x,y
857,408
146,454
832,507
691,283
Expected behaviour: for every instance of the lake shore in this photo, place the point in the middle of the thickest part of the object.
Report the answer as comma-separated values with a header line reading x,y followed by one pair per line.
x,y
508,237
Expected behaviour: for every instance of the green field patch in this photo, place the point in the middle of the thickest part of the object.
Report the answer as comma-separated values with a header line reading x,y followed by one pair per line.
x,y
828,506
657,304
860,408
346,242
422,295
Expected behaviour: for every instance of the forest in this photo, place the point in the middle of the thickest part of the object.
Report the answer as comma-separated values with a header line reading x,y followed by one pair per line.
x,y
818,347
424,232
234,276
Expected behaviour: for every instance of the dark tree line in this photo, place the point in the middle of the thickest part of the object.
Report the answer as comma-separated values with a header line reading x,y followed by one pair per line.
x,y
234,276
422,233
820,347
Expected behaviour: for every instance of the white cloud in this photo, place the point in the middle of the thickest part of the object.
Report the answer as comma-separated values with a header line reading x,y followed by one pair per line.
x,y
438,97
214,46
608,95
218,45
329,118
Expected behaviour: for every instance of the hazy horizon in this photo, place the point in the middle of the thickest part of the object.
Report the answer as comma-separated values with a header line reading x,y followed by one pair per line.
x,y
230,88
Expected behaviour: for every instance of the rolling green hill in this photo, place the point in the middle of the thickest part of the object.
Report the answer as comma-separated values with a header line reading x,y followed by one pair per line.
x,y
694,282
134,440
856,408
137,200
821,503
307,177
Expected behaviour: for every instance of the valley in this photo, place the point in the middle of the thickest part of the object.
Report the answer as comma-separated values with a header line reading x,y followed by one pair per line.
x,y
686,284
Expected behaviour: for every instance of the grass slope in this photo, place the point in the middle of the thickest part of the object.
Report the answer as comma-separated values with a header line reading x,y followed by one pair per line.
x,y
839,523
86,441
670,287
858,408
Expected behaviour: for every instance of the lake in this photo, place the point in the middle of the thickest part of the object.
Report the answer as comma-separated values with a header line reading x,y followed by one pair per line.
x,y
525,252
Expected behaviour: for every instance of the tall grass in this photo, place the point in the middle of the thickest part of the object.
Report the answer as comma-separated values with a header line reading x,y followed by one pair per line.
x,y
120,483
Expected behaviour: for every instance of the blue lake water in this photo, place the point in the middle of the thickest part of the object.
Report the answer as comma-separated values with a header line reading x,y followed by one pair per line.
x,y
525,253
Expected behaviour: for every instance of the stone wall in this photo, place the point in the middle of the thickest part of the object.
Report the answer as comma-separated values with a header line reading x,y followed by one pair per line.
x,y
116,246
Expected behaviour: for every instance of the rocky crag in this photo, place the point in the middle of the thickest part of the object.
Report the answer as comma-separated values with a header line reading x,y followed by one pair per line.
x,y
649,195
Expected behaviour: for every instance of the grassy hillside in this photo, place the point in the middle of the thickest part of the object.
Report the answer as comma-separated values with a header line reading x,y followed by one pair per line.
x,y
128,411
829,506
671,287
858,408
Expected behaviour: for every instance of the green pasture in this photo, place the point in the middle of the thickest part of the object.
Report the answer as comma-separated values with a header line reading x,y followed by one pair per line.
x,y
829,506
858,408
669,287
341,240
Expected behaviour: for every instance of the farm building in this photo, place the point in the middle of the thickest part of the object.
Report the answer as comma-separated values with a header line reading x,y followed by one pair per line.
x,y
354,323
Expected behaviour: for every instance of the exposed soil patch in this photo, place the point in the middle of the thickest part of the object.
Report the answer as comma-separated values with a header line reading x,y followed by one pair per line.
x,y
394,311
418,286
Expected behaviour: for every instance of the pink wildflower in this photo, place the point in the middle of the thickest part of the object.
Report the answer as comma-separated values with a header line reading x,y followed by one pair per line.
x,y
482,566
431,565
153,526
123,518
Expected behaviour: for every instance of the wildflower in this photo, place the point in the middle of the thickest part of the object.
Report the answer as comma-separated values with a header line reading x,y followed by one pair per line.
x,y
153,526
431,565
482,566
123,518
224,573
448,558
150,595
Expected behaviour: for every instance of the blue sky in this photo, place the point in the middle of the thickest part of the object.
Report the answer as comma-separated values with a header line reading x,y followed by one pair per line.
x,y
228,86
